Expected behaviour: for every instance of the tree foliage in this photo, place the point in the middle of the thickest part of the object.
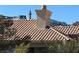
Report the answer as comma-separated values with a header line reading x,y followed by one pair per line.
x,y
5,25
68,47
22,48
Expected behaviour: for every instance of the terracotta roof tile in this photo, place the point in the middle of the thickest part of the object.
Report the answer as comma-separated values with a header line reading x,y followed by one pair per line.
x,y
29,27
67,30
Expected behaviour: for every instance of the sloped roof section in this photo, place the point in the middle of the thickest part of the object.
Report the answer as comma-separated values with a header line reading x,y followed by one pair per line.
x,y
24,23
28,27
67,30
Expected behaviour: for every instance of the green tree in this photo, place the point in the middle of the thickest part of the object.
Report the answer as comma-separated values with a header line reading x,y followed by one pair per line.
x,y
22,48
5,32
5,26
68,47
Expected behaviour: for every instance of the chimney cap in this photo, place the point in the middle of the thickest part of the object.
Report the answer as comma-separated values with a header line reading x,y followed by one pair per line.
x,y
43,7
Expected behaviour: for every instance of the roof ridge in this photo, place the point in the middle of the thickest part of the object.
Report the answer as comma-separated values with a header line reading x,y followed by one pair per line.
x,y
68,38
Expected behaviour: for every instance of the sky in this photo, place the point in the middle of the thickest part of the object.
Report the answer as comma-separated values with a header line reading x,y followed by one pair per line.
x,y
63,13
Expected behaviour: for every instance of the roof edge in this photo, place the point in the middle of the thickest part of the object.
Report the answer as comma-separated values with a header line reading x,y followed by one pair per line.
x,y
68,38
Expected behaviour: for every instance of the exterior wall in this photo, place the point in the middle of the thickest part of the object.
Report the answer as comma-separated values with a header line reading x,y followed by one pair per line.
x,y
41,23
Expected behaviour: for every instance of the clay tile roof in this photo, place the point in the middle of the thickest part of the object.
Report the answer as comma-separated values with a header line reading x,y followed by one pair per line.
x,y
67,30
28,27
